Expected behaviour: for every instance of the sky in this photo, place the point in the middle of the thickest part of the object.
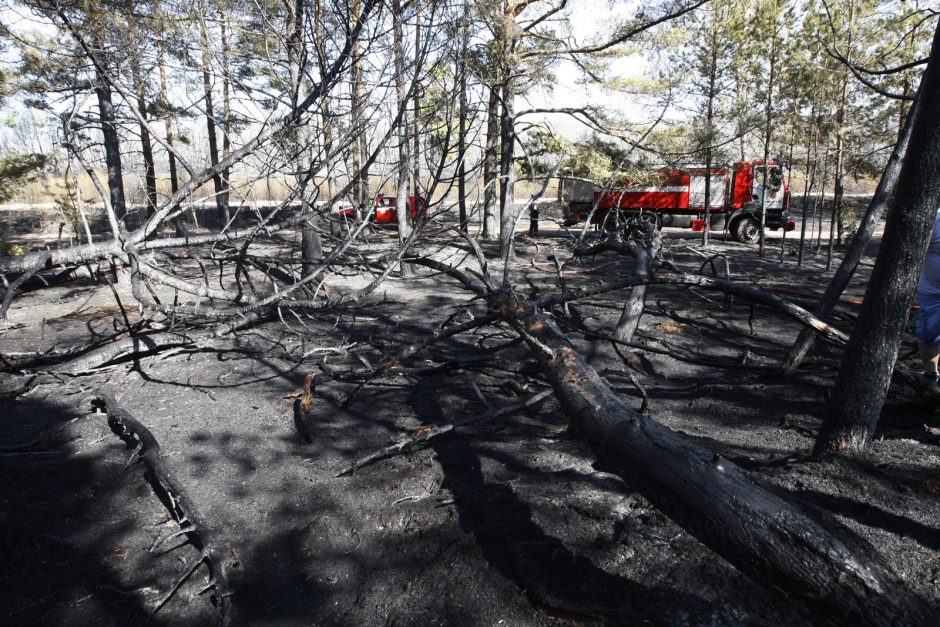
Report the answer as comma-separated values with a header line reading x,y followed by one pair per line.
x,y
585,18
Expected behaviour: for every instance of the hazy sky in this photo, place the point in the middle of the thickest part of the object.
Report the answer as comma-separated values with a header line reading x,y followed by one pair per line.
x,y
586,18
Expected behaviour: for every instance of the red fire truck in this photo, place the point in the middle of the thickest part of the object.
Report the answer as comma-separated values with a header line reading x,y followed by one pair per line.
x,y
386,208
383,209
676,197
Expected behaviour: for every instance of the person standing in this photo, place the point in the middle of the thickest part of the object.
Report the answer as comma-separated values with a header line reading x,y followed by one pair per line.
x,y
928,319
534,220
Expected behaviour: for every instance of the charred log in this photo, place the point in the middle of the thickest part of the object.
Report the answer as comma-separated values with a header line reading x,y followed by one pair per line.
x,y
180,505
768,538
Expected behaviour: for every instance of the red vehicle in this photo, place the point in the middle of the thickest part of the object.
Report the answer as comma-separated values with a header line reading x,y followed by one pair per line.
x,y
676,197
385,208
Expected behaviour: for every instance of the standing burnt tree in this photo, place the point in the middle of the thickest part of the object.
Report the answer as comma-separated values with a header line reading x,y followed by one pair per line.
x,y
866,370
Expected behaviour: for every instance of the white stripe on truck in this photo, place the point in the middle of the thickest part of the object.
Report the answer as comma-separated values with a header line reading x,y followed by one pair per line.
x,y
631,190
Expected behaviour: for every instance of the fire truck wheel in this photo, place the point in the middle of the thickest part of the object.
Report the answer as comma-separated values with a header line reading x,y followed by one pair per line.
x,y
746,230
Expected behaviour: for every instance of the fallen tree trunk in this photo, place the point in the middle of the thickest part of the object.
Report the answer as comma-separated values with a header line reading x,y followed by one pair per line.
x,y
127,347
642,269
753,294
765,536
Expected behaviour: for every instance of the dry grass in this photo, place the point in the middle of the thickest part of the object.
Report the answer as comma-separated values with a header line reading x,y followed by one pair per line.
x,y
671,327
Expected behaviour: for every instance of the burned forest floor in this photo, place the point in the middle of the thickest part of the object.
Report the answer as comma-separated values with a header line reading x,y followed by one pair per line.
x,y
503,520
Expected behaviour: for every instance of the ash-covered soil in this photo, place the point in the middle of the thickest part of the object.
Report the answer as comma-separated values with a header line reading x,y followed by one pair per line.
x,y
503,521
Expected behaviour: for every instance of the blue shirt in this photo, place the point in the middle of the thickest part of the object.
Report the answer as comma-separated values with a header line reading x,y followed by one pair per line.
x,y
928,286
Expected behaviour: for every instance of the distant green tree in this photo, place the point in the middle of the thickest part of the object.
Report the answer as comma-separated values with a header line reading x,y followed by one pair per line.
x,y
16,170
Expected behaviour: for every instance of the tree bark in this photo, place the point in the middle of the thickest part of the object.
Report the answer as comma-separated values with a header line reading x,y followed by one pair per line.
x,y
507,173
168,119
462,124
311,246
491,183
221,206
416,130
150,170
403,176
865,375
112,142
359,151
636,301
768,134
812,161
226,106
838,205
325,114
312,249
710,95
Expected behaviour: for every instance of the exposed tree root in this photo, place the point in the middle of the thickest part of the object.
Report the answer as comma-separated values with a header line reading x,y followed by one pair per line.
x,y
178,502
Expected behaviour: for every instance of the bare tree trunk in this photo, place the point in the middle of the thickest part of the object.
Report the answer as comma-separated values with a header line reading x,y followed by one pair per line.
x,y
360,177
221,207
416,170
822,201
507,38
325,112
112,142
168,119
710,129
768,133
865,375
311,246
462,124
809,180
838,205
404,158
636,301
226,106
150,171
491,183
507,172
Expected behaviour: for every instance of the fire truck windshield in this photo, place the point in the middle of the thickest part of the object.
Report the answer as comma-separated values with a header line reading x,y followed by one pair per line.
x,y
774,177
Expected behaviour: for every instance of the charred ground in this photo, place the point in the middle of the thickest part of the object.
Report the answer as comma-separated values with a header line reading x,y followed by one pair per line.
x,y
503,519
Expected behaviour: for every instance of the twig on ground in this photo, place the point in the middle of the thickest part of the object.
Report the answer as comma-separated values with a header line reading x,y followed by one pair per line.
x,y
426,433
410,350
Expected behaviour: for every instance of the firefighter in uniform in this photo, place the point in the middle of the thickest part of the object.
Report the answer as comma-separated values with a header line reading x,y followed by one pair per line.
x,y
534,219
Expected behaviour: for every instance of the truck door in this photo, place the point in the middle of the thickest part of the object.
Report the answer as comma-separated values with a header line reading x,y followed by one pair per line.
x,y
774,189
717,191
